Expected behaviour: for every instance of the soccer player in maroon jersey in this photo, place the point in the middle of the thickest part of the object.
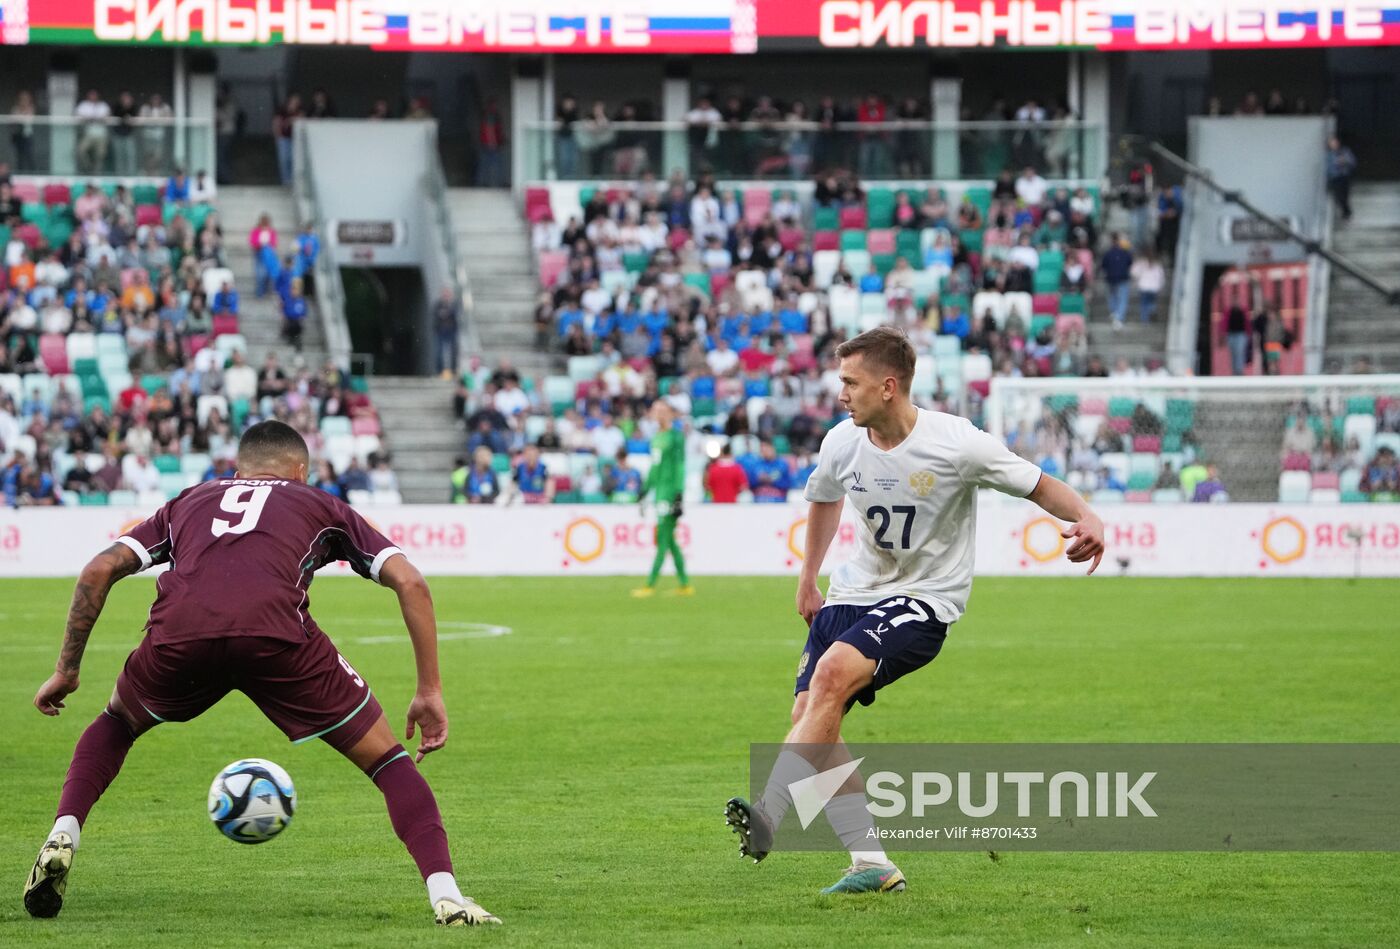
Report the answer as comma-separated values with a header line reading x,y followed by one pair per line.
x,y
232,613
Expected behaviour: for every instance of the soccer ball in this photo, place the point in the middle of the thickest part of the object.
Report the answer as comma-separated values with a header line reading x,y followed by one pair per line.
x,y
252,800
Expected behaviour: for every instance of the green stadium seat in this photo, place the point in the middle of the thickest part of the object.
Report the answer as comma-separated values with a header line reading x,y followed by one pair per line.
x,y
1361,405
1052,261
884,263
1355,497
703,407
93,499
167,464
1121,407
1045,281
145,194
826,219
971,239
852,240
1141,481
34,212
917,196
1063,402
93,401
981,198
238,410
1041,322
955,301
636,262
152,383
879,207
500,463
1072,303
700,281
359,384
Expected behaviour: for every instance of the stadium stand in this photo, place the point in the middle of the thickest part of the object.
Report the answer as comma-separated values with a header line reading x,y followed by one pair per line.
x,y
124,377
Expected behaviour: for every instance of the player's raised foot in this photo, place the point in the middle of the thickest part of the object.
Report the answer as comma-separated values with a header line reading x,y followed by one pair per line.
x,y
755,833
43,891
466,913
884,879
686,590
641,593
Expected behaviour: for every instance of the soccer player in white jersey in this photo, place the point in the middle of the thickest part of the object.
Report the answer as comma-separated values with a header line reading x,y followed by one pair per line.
x,y
912,476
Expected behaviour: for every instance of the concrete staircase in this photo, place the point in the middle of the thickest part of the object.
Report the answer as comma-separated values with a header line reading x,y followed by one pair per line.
x,y
1359,321
421,433
261,320
493,241
1136,341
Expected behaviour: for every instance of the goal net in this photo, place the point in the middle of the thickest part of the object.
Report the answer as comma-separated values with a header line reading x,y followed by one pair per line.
x,y
1293,439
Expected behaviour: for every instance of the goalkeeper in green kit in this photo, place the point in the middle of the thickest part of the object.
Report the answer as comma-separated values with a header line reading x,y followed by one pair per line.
x,y
667,478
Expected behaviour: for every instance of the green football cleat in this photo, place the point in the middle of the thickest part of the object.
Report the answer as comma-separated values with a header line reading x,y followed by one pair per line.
x,y
747,820
469,913
869,880
43,891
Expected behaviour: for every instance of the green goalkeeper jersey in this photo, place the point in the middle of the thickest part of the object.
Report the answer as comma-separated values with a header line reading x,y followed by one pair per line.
x,y
667,474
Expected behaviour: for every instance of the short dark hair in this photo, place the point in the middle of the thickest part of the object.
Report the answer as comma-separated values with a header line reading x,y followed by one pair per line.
x,y
886,347
272,442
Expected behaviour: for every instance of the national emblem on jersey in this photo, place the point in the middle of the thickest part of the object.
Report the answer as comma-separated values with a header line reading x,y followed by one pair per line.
x,y
802,663
922,482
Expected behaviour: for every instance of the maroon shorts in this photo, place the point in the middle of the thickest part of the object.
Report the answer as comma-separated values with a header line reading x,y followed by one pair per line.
x,y
307,689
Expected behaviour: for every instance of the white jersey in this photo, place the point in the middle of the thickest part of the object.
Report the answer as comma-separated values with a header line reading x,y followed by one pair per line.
x,y
917,507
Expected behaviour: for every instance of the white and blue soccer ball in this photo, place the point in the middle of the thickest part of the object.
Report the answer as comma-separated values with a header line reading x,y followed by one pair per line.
x,y
252,800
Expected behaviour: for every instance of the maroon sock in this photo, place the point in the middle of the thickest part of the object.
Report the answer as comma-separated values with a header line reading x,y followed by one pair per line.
x,y
96,761
412,810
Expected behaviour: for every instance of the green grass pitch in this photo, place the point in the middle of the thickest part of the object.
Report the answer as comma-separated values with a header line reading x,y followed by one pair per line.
x,y
592,749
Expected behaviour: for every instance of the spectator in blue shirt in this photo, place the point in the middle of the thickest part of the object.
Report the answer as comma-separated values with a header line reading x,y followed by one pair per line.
x,y
294,316
1117,269
308,249
791,320
872,282
955,323
1341,166
226,301
532,478
771,477
482,486
177,189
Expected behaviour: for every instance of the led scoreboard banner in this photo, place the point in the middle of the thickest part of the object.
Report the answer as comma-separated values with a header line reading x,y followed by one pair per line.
x,y
707,26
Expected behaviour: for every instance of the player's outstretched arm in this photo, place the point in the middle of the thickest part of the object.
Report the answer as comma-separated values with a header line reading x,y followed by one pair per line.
x,y
823,517
89,596
426,711
1060,500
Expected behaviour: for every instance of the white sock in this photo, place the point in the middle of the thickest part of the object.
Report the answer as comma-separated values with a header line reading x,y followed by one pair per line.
x,y
443,886
851,819
67,824
776,800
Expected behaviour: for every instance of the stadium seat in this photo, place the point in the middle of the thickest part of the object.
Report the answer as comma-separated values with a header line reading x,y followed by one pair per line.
x,y
826,219
1324,496
825,263
552,263
880,242
332,425
853,240
1362,428
584,368
758,202
225,345
53,352
1072,303
1107,496
364,425
826,240
844,307
857,262
195,463
1167,495
81,346
1293,487
853,217
214,279
122,499
879,205
57,194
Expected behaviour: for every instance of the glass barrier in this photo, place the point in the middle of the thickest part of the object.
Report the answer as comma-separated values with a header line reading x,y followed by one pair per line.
x,y
70,147
602,151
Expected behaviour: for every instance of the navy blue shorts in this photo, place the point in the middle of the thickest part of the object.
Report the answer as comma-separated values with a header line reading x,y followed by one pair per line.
x,y
901,634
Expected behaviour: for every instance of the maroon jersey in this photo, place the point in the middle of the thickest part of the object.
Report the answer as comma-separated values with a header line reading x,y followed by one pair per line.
x,y
242,555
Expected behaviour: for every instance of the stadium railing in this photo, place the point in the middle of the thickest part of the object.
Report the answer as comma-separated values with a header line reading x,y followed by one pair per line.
x,y
796,150
55,148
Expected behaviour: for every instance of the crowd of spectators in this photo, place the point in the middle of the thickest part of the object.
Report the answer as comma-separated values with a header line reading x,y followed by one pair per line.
x,y
121,365
125,136
1344,446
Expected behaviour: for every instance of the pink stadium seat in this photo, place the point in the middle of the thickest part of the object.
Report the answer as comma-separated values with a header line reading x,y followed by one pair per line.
x,y
364,425
538,213
791,238
719,282
1120,425
225,324
1327,480
1152,443
1093,407
1069,321
826,240
1297,461
29,234
880,242
536,196
981,386
552,264
757,203
53,351
147,214
853,218
195,343
57,194
1138,497
1046,303
677,238
26,192
615,195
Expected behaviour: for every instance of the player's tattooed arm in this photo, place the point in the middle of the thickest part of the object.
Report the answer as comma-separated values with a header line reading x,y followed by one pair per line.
x,y
89,597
